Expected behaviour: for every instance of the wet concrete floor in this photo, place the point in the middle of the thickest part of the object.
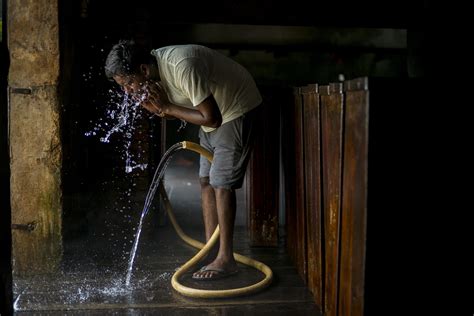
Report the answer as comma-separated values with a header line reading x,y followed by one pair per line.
x,y
91,278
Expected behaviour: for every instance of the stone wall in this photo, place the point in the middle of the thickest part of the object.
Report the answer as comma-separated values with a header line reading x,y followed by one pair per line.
x,y
34,134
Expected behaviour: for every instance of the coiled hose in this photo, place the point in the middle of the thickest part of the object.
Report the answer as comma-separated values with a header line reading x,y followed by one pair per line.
x,y
205,248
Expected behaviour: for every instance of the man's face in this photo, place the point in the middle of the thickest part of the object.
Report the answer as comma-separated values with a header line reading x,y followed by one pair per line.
x,y
131,84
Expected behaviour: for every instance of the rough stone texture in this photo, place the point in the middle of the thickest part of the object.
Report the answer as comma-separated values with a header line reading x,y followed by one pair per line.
x,y
34,134
33,42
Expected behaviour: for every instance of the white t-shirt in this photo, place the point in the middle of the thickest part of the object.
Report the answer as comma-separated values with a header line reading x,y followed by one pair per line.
x,y
191,73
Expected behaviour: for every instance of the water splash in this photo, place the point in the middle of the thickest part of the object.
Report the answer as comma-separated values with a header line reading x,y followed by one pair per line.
x,y
182,126
121,113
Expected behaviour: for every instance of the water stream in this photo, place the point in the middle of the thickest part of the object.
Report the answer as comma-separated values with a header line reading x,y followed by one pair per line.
x,y
157,177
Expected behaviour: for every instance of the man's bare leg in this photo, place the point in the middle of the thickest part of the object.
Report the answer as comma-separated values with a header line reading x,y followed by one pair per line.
x,y
226,209
209,214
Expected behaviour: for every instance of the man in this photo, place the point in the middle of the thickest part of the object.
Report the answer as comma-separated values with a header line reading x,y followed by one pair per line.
x,y
206,88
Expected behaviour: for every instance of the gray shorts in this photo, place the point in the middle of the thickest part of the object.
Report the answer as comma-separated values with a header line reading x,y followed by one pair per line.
x,y
231,145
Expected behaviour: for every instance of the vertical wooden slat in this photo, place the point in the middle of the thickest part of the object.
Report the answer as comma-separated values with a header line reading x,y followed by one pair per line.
x,y
354,198
312,180
263,175
301,258
267,223
289,165
255,182
331,137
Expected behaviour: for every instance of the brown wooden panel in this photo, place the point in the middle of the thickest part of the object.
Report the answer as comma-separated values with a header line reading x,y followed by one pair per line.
x,y
263,175
288,155
267,223
354,201
312,178
255,185
299,203
331,99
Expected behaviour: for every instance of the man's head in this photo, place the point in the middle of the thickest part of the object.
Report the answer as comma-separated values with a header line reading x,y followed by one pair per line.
x,y
129,65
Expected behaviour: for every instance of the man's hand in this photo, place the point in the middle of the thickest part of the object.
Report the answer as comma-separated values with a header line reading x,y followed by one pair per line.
x,y
156,100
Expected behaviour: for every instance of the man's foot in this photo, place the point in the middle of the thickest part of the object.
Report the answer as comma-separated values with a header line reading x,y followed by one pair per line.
x,y
209,258
206,273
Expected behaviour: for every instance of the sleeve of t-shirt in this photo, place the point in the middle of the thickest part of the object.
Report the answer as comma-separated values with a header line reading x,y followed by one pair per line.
x,y
192,76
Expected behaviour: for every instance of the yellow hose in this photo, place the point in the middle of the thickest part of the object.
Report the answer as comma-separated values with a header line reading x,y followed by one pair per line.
x,y
205,248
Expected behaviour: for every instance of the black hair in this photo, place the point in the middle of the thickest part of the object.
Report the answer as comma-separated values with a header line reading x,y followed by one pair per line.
x,y
125,59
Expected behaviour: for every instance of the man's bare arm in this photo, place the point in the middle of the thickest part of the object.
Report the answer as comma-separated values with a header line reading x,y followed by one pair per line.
x,y
206,113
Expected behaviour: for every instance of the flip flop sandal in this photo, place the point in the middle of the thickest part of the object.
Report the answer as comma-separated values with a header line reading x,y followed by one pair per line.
x,y
216,274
